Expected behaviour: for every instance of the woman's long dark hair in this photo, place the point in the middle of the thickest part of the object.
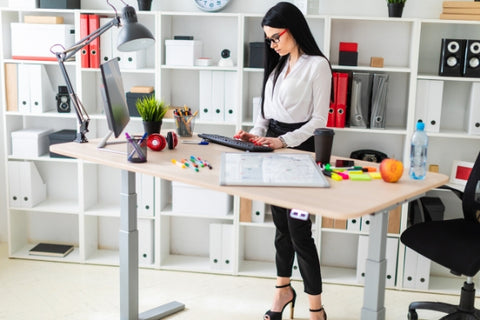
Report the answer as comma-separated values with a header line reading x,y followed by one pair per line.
x,y
287,16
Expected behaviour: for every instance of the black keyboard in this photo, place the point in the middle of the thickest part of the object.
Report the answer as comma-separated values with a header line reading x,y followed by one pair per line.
x,y
234,143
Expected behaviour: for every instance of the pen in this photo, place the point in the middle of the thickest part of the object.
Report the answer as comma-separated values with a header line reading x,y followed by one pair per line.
x,y
185,163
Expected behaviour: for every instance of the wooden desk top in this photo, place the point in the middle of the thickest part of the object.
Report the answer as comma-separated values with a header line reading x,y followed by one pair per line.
x,y
344,199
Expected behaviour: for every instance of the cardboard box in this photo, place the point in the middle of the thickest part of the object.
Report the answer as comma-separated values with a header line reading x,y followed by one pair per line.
x,y
182,52
62,136
195,200
30,143
23,4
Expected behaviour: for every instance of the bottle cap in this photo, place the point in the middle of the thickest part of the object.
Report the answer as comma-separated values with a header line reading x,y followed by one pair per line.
x,y
420,125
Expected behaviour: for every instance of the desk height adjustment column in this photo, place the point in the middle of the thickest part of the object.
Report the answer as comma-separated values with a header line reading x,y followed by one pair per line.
x,y
128,247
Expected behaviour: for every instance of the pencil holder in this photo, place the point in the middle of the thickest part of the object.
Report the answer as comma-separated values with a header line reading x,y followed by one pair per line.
x,y
137,149
184,125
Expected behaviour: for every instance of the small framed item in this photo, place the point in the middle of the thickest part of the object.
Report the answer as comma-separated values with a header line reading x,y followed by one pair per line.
x,y
460,172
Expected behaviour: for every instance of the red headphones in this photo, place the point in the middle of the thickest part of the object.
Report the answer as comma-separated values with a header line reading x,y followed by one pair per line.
x,y
157,142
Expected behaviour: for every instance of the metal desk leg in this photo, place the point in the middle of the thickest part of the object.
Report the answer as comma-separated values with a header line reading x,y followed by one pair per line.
x,y
128,246
376,266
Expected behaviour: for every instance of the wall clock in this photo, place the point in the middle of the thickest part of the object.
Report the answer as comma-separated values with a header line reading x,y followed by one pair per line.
x,y
211,5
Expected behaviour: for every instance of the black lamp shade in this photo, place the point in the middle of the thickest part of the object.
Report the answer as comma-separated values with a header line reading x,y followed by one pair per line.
x,y
133,36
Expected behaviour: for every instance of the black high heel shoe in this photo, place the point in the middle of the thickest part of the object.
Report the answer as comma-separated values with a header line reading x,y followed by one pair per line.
x,y
320,310
274,315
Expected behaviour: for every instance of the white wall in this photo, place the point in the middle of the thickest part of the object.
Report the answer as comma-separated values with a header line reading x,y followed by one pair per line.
x,y
374,8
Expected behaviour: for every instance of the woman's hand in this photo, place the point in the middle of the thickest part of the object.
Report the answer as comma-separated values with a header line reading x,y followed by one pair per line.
x,y
274,143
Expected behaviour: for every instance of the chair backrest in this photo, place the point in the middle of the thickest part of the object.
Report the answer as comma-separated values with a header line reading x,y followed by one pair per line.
x,y
470,202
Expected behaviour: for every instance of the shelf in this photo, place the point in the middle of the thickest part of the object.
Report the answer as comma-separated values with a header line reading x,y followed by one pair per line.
x,y
62,206
371,69
22,253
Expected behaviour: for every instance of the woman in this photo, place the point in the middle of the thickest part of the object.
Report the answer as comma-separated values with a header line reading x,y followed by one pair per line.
x,y
295,101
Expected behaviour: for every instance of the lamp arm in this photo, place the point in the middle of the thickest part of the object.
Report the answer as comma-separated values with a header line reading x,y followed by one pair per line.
x,y
82,115
68,53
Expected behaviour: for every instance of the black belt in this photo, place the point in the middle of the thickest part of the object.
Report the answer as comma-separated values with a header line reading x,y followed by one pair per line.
x,y
277,128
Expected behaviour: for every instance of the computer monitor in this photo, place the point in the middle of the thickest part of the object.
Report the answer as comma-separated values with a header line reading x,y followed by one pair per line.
x,y
115,103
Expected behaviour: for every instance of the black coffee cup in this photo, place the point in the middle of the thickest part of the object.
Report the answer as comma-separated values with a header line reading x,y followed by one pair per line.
x,y
323,145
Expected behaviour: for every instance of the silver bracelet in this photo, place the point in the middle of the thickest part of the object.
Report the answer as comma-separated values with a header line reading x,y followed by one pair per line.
x,y
284,144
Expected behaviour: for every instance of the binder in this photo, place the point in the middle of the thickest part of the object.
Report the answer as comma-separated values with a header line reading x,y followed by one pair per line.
x,y
362,255
218,95
341,103
205,95
129,60
145,195
94,24
230,105
227,247
84,31
391,256
145,241
221,246
245,210
365,225
26,186
41,91
473,114
354,224
422,277
410,269
332,110
379,100
106,42
23,86
14,184
258,211
428,106
35,92
215,246
11,88
360,99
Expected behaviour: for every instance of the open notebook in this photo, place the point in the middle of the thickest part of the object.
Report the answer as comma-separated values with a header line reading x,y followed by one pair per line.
x,y
271,169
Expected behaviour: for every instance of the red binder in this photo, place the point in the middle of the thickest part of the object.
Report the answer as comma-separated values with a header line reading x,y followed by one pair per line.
x,y
85,52
94,24
333,108
342,89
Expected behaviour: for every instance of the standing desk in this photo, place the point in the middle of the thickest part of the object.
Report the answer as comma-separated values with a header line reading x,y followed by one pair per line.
x,y
343,200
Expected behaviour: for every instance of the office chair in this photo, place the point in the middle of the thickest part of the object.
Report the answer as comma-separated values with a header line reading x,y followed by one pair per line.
x,y
454,244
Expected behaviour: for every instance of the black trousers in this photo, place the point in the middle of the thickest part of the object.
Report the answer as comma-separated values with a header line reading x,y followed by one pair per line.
x,y
294,235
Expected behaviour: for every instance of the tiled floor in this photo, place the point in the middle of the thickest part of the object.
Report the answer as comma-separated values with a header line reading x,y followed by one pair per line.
x,y
52,291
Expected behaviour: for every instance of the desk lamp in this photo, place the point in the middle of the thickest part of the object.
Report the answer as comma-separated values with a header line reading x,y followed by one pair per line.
x,y
134,36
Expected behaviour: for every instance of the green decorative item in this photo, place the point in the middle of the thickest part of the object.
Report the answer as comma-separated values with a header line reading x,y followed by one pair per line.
x,y
152,112
395,8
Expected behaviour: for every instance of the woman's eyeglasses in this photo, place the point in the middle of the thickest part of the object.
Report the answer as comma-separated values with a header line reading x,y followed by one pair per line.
x,y
275,38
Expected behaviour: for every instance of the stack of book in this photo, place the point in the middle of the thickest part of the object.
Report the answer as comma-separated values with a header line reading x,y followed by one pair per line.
x,y
460,10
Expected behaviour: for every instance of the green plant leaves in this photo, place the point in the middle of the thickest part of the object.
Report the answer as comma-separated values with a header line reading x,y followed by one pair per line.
x,y
151,109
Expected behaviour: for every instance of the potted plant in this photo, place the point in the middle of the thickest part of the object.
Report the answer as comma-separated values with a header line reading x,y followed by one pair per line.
x,y
395,8
152,112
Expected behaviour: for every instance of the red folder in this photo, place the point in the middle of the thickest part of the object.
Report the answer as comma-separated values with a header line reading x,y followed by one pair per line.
x,y
85,53
333,108
94,24
342,89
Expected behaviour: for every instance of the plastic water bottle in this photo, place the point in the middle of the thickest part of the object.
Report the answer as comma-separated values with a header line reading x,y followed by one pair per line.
x,y
418,153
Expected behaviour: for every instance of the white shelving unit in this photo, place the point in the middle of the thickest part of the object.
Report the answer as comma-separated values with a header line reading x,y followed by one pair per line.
x,y
82,207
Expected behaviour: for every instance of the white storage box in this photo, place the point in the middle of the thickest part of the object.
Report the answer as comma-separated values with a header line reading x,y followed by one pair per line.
x,y
30,143
191,199
40,37
182,52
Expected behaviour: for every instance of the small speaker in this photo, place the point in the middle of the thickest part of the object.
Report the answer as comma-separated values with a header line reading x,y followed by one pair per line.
x,y
471,66
452,57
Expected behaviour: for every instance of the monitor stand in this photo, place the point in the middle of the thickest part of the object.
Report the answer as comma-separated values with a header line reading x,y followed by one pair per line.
x,y
104,142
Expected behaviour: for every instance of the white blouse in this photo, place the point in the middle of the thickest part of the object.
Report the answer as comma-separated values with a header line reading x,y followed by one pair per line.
x,y
302,95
